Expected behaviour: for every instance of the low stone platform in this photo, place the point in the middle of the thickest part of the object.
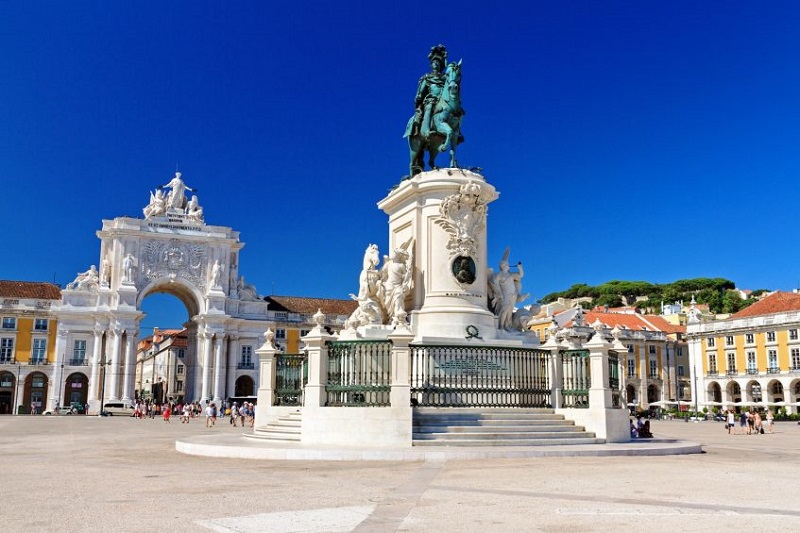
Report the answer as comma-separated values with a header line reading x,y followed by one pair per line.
x,y
242,447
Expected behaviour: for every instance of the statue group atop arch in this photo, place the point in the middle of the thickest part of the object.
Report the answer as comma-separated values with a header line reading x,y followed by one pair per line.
x,y
435,126
174,202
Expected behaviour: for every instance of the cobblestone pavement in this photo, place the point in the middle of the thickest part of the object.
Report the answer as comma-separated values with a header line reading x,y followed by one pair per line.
x,y
75,473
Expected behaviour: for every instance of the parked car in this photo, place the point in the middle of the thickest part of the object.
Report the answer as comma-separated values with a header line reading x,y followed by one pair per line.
x,y
117,408
63,411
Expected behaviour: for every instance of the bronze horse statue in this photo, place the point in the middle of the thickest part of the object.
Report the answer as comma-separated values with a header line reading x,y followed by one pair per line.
x,y
445,133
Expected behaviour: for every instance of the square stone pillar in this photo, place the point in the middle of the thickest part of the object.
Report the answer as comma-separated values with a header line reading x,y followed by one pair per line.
x,y
556,370
267,373
400,395
314,393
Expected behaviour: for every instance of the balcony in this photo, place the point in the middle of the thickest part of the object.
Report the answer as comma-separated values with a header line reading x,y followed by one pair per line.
x,y
8,361
38,362
732,372
712,373
773,370
78,362
752,371
245,366
653,376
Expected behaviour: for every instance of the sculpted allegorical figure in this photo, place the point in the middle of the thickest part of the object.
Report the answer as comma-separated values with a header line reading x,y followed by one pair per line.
x,y
397,277
128,268
86,280
157,205
193,210
505,290
176,199
216,275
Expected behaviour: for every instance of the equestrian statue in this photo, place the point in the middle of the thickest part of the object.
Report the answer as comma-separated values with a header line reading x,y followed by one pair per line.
x,y
436,124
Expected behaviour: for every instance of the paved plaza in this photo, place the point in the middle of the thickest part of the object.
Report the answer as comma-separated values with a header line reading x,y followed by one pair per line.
x,y
75,473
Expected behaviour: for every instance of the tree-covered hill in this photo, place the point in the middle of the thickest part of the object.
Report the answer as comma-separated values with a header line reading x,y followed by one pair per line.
x,y
718,293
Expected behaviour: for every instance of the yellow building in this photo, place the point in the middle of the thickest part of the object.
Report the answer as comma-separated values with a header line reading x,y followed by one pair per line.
x,y
752,357
28,373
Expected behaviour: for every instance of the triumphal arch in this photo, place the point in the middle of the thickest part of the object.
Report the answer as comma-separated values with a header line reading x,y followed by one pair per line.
x,y
170,250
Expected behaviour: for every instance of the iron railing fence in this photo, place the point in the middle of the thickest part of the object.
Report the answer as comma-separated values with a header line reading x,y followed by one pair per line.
x,y
613,378
359,373
467,376
575,378
291,376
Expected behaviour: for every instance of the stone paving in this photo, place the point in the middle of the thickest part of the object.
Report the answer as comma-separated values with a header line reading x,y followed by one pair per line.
x,y
75,473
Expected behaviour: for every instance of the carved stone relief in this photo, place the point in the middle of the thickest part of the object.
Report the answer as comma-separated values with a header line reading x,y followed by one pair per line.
x,y
173,259
463,217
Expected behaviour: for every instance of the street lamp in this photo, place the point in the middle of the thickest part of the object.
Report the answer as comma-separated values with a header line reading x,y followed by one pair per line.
x,y
102,384
696,394
16,389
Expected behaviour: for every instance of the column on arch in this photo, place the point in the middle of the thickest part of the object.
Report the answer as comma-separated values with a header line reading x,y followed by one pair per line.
x,y
130,365
94,381
113,366
232,355
206,380
219,358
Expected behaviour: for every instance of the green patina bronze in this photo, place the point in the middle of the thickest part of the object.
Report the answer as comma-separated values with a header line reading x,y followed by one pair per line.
x,y
436,124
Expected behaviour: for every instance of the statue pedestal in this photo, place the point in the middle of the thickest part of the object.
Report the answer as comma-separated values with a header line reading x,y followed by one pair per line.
x,y
445,211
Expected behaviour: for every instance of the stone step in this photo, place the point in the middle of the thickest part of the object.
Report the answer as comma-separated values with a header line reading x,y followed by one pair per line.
x,y
502,436
532,428
284,428
510,442
473,421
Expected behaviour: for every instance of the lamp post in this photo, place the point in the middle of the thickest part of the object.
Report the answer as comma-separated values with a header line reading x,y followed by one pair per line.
x,y
16,390
696,394
60,385
102,384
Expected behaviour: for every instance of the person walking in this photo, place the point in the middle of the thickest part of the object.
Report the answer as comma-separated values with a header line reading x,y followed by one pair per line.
x,y
770,420
731,421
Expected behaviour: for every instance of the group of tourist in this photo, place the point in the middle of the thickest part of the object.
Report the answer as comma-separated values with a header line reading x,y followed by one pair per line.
x,y
750,422
239,415
641,429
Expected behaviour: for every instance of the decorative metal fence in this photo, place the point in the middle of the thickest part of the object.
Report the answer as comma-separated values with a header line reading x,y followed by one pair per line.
x,y
575,378
466,376
613,378
359,373
291,377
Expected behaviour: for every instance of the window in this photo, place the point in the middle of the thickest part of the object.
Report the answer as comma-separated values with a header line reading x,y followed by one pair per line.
x,y
792,334
751,363
653,369
770,336
680,351
749,338
631,368
630,348
181,369
39,349
6,350
652,349
40,324
9,322
710,342
280,333
79,351
729,340
37,382
304,332
179,386
731,363
247,355
772,361
680,371
181,353
795,358
712,364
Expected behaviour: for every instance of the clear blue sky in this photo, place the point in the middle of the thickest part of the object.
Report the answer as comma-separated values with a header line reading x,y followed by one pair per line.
x,y
628,140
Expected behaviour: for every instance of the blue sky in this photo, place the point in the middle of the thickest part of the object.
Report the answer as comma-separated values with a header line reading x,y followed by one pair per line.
x,y
628,140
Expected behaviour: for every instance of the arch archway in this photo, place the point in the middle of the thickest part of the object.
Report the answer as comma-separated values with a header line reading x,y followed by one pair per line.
x,y
714,392
245,386
630,394
7,385
34,394
76,390
653,393
733,391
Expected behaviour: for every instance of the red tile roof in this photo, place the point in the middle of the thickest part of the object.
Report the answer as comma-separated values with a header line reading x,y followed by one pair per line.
x,y
29,289
778,302
304,305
